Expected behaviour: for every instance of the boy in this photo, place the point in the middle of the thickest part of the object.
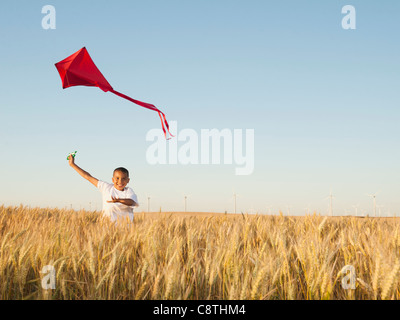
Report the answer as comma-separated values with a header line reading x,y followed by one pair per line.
x,y
118,199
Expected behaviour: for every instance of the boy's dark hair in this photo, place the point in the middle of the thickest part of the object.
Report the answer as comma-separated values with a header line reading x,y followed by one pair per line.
x,y
123,170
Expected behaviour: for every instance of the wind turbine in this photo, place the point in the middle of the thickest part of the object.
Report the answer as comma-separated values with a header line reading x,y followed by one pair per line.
x,y
288,209
148,204
235,195
331,197
373,196
365,213
356,208
379,210
185,198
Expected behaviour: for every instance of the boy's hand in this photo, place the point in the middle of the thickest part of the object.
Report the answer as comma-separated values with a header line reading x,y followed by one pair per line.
x,y
127,202
71,160
114,199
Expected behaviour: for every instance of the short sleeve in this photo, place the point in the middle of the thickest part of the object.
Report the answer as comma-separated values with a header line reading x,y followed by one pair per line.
x,y
104,187
101,185
132,195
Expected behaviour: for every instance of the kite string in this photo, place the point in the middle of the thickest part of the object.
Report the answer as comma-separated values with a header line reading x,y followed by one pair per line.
x,y
164,121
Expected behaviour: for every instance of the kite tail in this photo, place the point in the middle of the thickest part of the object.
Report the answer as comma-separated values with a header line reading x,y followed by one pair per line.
x,y
164,122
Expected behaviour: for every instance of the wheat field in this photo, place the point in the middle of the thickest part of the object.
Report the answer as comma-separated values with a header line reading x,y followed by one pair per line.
x,y
197,256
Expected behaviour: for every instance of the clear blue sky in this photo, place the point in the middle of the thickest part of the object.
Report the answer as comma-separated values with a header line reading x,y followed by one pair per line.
x,y
323,101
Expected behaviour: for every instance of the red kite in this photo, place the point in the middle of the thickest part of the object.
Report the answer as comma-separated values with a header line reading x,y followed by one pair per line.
x,y
79,70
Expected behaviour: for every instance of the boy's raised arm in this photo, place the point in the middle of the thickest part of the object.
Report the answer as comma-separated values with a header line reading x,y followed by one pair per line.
x,y
82,172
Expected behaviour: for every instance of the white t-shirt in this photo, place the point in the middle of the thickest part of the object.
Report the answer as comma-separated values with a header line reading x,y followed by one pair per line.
x,y
116,210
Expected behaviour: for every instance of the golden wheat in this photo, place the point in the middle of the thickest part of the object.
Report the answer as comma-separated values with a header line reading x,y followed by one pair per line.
x,y
178,256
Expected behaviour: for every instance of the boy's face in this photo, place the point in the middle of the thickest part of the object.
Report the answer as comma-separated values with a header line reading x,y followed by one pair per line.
x,y
120,180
